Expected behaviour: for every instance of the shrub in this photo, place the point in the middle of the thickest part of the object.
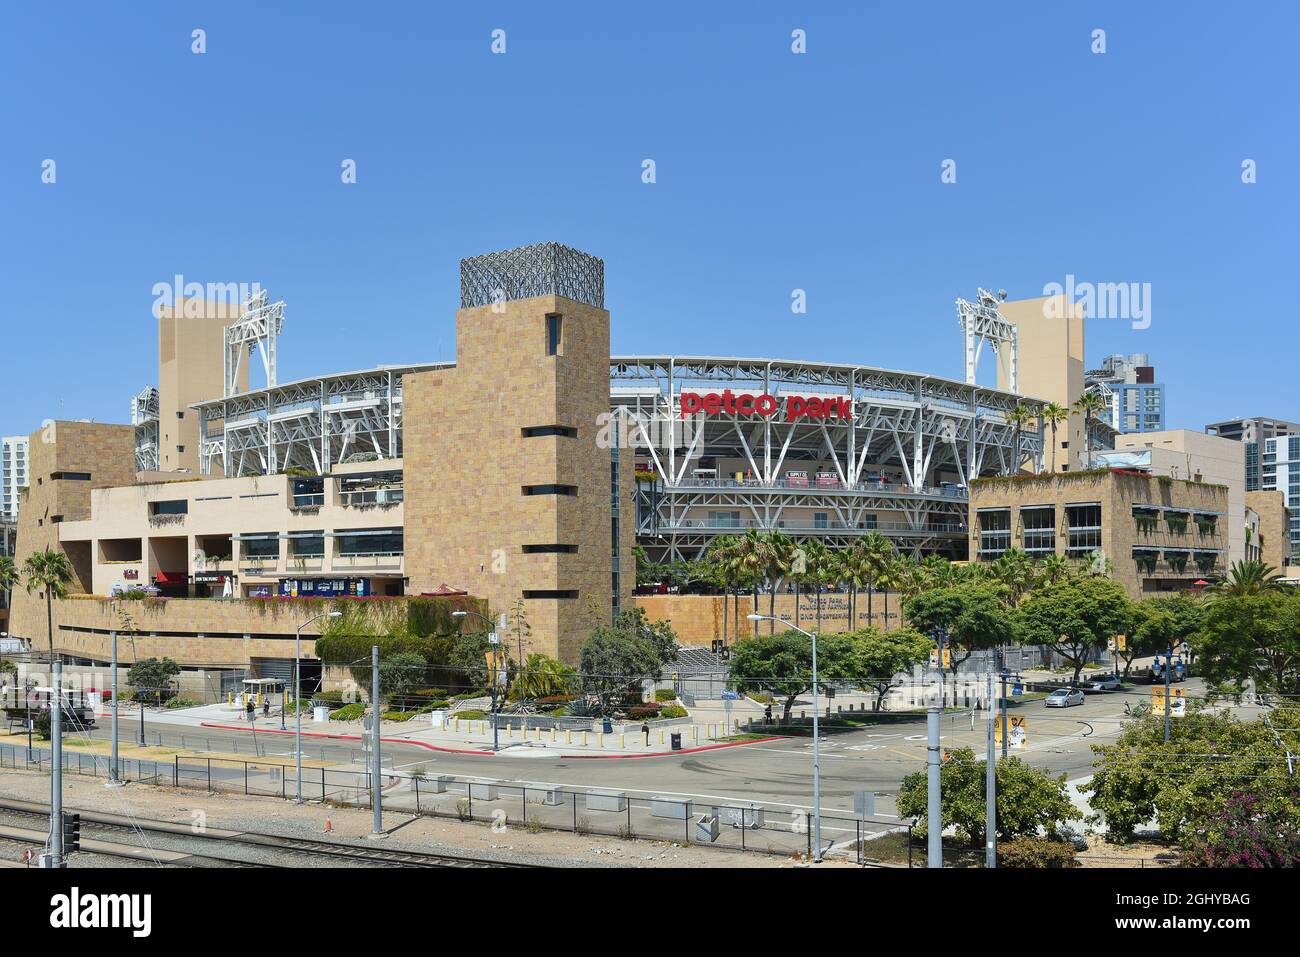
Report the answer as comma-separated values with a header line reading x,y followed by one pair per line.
x,y
673,711
1244,837
182,702
470,714
335,698
642,712
349,712
665,694
1036,852
41,724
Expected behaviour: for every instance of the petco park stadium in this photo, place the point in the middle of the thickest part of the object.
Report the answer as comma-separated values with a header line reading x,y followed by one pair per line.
x,y
528,468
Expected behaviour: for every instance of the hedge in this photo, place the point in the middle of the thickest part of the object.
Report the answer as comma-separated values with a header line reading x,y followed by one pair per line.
x,y
1036,852
673,711
665,694
349,712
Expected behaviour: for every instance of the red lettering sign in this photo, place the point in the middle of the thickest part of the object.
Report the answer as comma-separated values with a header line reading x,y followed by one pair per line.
x,y
746,403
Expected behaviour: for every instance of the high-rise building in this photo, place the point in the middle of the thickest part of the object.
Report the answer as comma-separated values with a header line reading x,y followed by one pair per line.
x,y
1252,433
13,473
1136,400
1279,471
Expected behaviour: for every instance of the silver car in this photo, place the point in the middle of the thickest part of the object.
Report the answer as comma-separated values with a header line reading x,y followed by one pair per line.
x,y
1064,698
1103,683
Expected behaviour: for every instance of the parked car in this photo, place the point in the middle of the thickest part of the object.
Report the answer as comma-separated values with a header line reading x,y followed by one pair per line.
x,y
1103,683
1064,698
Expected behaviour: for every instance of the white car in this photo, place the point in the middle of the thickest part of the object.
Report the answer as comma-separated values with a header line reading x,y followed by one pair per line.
x,y
1064,698
1103,683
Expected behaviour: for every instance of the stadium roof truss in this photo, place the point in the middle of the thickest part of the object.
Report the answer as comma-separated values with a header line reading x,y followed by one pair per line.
x,y
311,424
910,425
144,416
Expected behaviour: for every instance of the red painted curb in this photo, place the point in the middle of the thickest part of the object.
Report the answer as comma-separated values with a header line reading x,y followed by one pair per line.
x,y
490,754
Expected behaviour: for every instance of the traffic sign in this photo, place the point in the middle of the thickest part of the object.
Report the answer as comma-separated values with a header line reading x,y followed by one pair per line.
x,y
1019,731
1177,701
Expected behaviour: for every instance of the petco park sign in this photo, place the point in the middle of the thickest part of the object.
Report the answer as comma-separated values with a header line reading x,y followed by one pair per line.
x,y
746,403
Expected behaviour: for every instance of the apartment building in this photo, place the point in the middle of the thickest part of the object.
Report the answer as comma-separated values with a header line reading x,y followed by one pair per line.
x,y
13,473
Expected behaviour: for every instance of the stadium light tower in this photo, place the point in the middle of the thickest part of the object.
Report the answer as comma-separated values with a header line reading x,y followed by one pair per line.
x,y
982,322
258,326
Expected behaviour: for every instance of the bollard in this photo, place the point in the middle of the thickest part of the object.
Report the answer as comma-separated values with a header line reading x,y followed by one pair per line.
x,y
695,733
584,739
737,724
661,736
600,739
230,698
568,736
622,741
455,725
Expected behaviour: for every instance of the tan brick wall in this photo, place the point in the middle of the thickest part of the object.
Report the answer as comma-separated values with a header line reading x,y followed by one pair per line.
x,y
698,619
1274,524
107,452
467,462
1117,493
212,632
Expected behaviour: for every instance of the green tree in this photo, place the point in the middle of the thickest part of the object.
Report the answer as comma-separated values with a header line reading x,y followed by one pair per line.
x,y
1054,414
660,634
779,555
399,675
613,661
781,664
1252,637
1089,405
8,575
882,657
1184,785
1159,622
1075,617
1250,578
1019,417
877,553
972,616
1027,799
542,676
152,679
51,572
722,557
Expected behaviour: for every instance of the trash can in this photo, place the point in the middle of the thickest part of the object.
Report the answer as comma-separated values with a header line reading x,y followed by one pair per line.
x,y
607,726
320,714
677,740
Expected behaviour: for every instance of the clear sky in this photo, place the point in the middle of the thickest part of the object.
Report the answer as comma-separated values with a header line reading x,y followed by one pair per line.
x,y
775,171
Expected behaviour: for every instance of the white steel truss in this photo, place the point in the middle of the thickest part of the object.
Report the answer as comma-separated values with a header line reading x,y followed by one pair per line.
x,y
982,322
144,416
899,465
258,327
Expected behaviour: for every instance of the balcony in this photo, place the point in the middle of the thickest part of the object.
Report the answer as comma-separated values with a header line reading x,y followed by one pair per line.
x,y
370,561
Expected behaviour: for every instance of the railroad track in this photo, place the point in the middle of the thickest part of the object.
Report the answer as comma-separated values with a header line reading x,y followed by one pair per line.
x,y
271,842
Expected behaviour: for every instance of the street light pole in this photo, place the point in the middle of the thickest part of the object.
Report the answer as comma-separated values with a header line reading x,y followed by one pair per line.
x,y
817,762
113,779
297,700
462,613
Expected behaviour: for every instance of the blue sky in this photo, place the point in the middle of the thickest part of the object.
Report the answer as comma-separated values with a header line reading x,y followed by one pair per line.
x,y
775,172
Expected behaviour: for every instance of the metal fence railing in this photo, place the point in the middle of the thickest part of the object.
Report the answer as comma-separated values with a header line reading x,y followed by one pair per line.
x,y
505,806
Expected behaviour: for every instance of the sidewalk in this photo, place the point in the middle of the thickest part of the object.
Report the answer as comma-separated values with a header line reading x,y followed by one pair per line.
x,y
468,737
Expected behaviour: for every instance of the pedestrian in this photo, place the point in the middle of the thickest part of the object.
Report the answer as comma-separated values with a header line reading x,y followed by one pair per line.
x,y
248,708
266,707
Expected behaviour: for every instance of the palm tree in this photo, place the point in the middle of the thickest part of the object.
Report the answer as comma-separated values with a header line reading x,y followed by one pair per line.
x,y
856,573
817,558
722,555
779,554
752,563
1054,568
1015,570
51,571
1054,414
876,553
1089,404
1250,578
889,577
8,574
1020,416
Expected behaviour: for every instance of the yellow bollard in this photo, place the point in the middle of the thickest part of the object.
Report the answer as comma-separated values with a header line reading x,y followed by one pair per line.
x,y
584,739
455,724
600,739
230,698
552,735
661,736
568,736
695,733
647,738
622,741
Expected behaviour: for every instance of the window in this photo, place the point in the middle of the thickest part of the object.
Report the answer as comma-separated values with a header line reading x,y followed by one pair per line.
x,y
550,490
550,549
262,546
1039,529
69,476
539,431
1084,522
820,519
173,507
180,449
554,332
724,520
307,544
995,531
380,541
552,593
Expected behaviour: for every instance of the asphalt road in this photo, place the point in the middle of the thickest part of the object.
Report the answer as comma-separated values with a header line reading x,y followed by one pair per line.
x,y
776,773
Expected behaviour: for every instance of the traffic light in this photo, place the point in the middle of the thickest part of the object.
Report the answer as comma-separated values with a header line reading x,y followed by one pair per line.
x,y
71,833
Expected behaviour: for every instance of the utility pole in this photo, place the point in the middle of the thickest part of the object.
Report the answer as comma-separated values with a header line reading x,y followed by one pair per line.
x,y
1169,667
376,778
991,790
54,858
934,836
114,780
1005,735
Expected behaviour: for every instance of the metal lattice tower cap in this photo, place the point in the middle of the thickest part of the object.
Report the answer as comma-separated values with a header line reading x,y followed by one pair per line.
x,y
543,269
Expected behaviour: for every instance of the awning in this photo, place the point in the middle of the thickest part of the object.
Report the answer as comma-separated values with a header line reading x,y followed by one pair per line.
x,y
171,578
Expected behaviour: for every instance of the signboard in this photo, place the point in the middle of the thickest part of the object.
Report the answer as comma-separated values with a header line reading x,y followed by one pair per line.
x,y
746,403
131,574
496,665
1177,701
1019,731
324,587
1118,643
934,657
